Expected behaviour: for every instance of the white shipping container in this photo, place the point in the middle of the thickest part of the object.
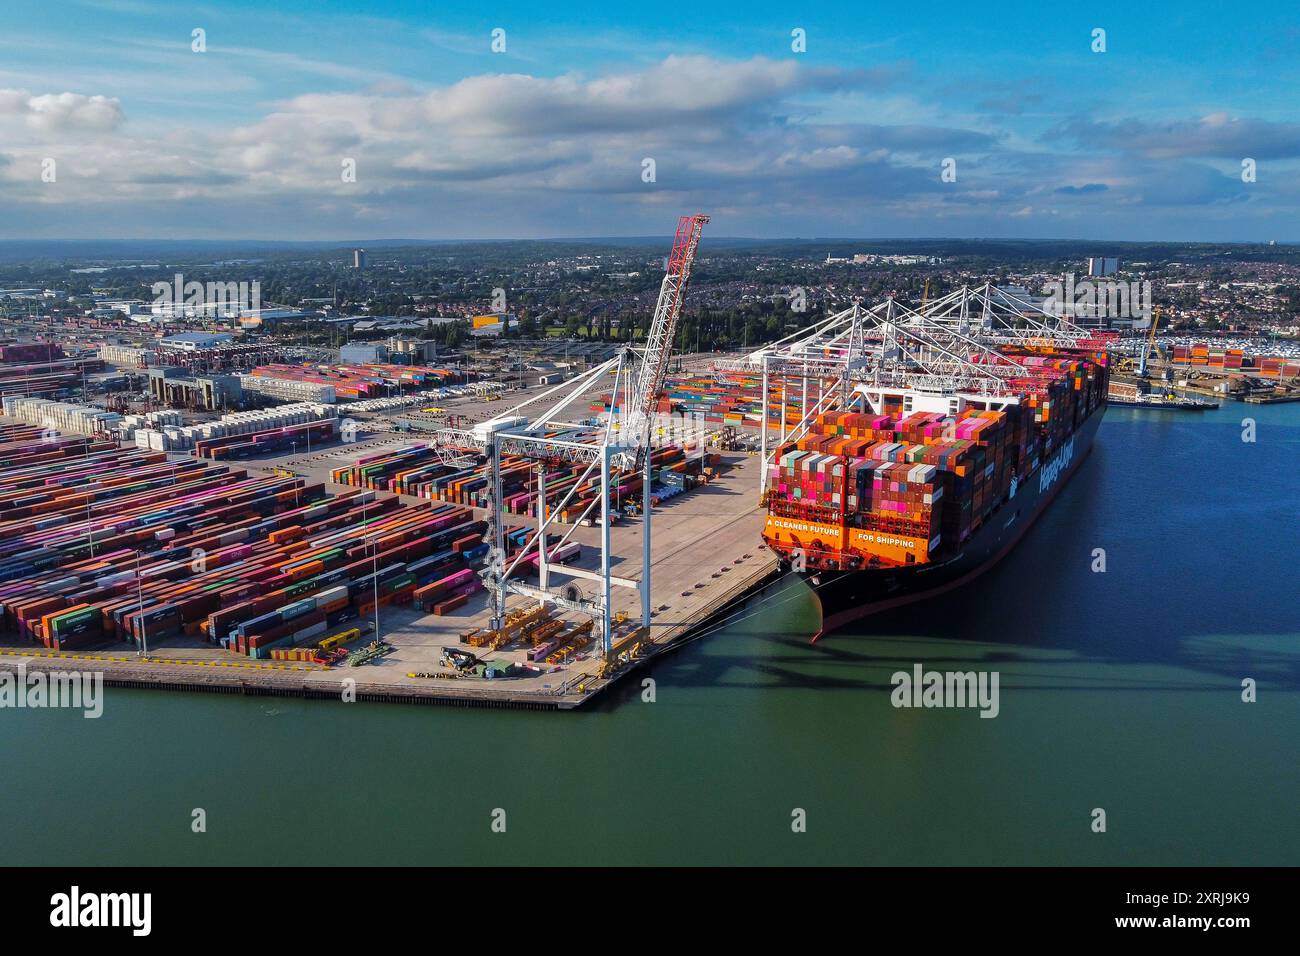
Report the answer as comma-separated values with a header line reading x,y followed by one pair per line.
x,y
315,630
331,594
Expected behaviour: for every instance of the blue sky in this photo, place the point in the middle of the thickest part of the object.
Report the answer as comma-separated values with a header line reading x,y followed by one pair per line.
x,y
450,139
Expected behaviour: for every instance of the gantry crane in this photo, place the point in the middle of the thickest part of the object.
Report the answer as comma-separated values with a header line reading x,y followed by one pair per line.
x,y
547,438
933,358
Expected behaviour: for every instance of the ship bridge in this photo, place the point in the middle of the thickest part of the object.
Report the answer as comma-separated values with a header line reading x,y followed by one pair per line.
x,y
938,397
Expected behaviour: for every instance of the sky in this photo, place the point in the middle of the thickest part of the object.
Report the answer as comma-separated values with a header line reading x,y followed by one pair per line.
x,y
535,120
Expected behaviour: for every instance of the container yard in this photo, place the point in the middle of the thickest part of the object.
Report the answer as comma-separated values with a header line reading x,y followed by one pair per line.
x,y
1235,359
731,398
63,416
127,356
197,574
402,565
289,390
45,378
239,434
419,471
357,382
18,353
480,563
256,551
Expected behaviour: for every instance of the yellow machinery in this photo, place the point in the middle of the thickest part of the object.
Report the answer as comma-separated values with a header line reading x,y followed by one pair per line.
x,y
517,623
623,649
1149,348
573,640
341,638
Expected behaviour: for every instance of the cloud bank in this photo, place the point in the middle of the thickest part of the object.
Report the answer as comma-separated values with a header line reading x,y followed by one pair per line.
x,y
768,146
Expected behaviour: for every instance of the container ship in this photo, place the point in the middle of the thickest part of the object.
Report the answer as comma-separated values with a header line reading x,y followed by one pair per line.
x,y
905,492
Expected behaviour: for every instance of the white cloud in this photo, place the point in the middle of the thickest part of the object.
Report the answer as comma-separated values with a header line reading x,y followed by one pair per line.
x,y
502,154
52,112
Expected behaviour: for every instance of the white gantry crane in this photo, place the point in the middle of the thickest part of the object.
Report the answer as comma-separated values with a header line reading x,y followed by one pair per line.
x,y
934,357
551,436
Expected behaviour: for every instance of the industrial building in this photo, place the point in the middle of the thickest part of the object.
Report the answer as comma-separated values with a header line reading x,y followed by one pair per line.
x,y
125,306
173,386
194,341
412,350
491,325
364,353
399,323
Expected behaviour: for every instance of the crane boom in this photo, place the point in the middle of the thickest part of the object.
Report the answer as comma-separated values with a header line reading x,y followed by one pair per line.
x,y
1149,348
550,436
663,329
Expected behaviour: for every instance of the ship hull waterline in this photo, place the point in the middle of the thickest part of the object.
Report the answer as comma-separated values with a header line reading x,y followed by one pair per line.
x,y
848,596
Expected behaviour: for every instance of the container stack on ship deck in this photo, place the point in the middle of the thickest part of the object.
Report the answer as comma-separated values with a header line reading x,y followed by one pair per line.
x,y
864,490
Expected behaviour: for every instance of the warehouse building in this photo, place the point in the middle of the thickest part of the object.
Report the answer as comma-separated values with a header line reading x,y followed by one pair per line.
x,y
364,352
194,341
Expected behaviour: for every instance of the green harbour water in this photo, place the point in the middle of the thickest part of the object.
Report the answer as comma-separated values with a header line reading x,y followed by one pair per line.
x,y
1118,690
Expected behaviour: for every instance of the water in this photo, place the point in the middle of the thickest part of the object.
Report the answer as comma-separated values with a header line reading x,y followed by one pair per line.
x,y
1119,690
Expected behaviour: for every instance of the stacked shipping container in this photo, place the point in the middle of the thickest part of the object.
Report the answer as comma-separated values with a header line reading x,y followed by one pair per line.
x,y
728,399
18,352
417,470
926,476
100,544
1269,366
